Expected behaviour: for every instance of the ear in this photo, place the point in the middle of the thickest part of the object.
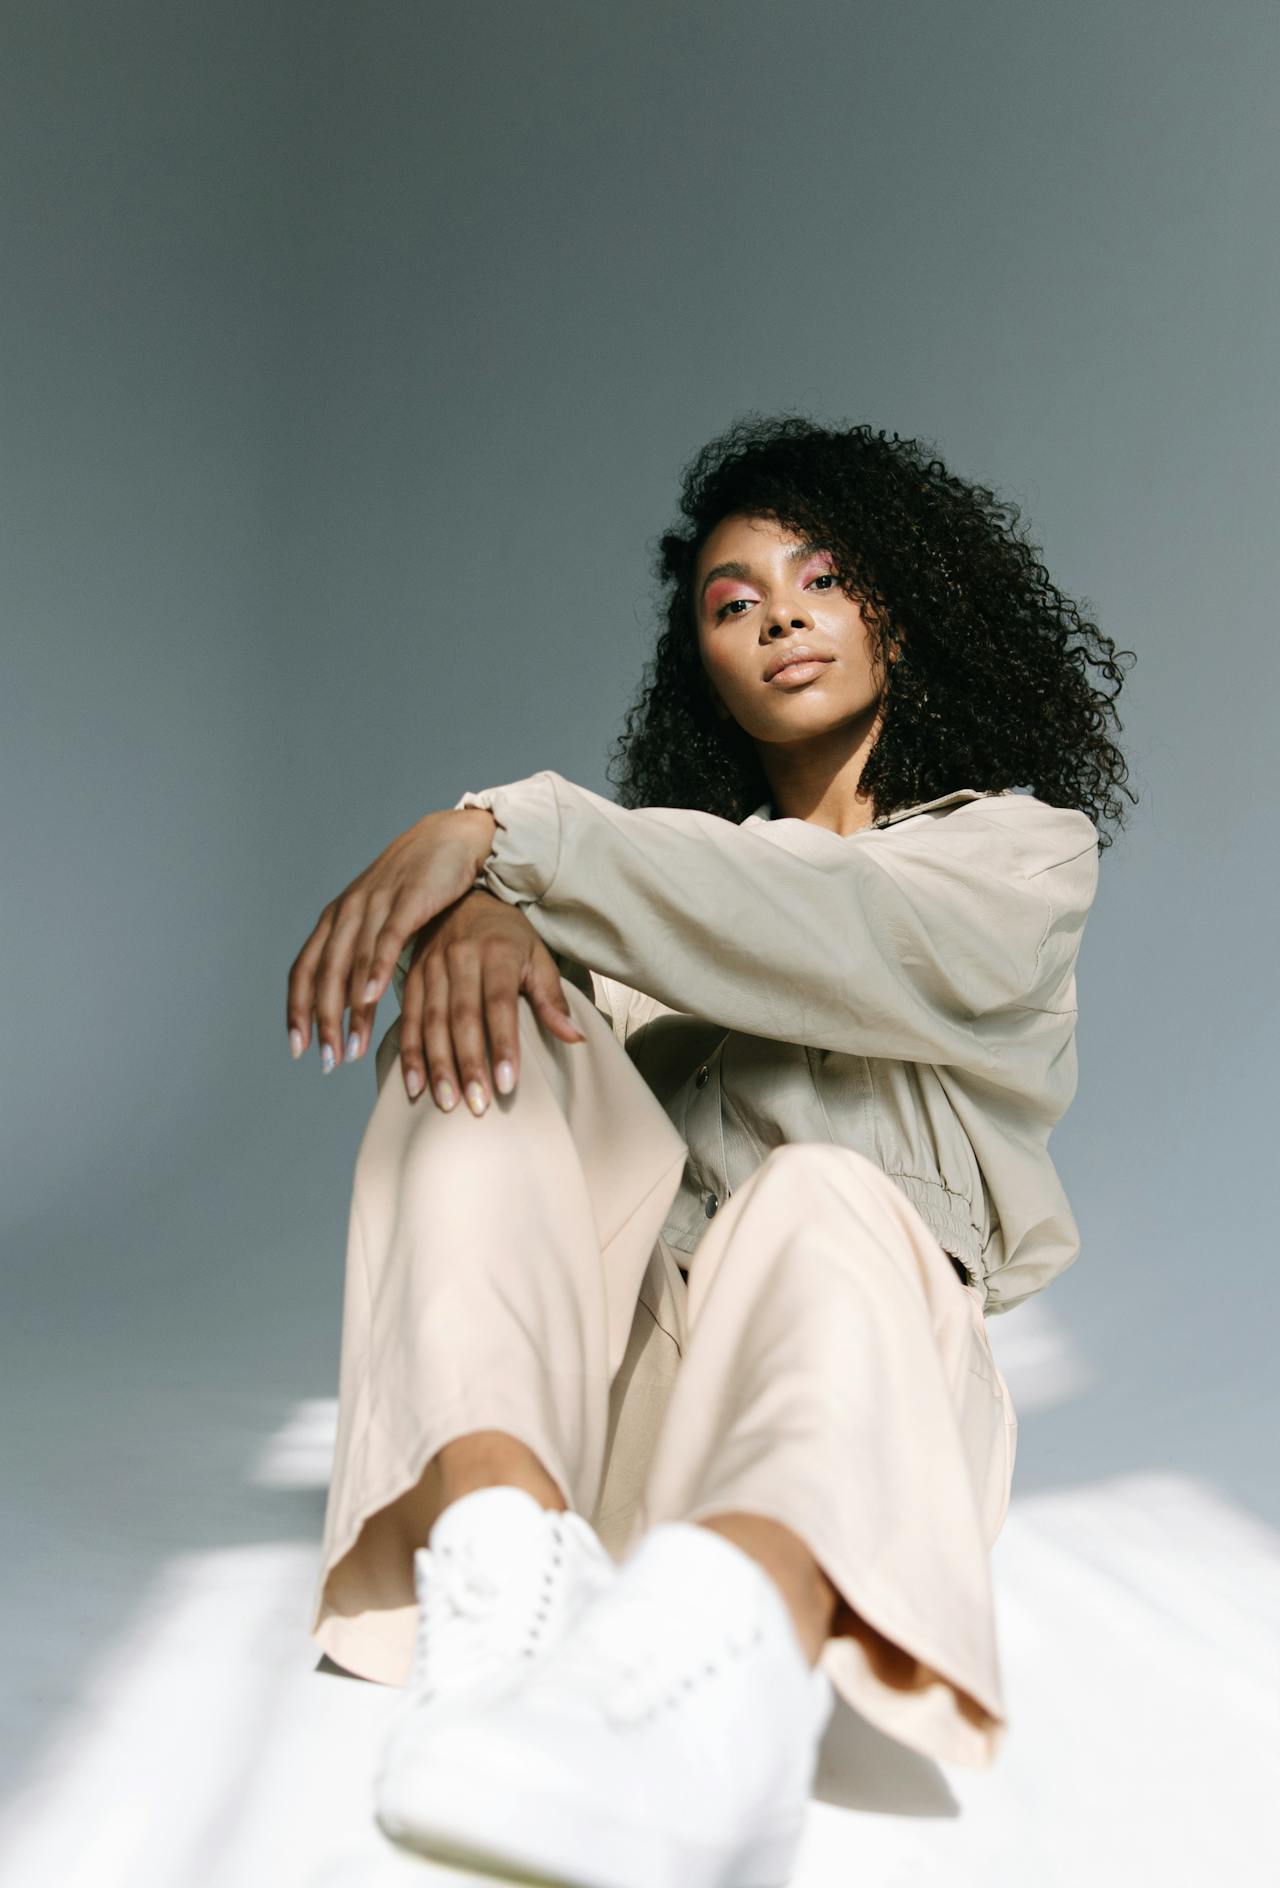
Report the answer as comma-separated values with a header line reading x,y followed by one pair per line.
x,y
890,657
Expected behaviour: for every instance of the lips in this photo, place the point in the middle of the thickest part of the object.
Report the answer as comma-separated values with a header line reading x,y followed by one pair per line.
x,y
793,661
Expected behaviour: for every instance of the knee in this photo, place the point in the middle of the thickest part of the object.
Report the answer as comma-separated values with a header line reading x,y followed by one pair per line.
x,y
805,1171
858,1193
821,1161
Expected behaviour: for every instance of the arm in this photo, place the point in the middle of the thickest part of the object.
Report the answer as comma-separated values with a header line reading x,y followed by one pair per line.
x,y
890,942
400,969
572,971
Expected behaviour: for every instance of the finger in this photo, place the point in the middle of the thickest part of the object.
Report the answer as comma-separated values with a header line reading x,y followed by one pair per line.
x,y
466,1022
546,992
413,1068
502,1019
360,1022
434,1033
372,970
561,1024
361,1012
331,981
387,930
300,1000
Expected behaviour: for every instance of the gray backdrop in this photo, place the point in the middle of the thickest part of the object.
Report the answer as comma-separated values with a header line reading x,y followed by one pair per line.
x,y
350,356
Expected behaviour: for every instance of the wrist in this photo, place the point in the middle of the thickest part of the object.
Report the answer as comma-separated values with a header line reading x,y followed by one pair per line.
x,y
482,826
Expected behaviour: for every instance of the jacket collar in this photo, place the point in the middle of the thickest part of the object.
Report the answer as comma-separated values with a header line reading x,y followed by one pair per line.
x,y
765,808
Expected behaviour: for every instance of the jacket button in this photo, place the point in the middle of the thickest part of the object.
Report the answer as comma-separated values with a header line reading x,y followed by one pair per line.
x,y
701,1077
711,1204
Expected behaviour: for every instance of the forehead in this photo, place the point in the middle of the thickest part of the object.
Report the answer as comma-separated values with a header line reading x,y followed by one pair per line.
x,y
737,545
750,535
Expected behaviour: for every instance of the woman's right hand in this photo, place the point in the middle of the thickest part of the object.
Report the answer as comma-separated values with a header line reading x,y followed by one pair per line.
x,y
470,965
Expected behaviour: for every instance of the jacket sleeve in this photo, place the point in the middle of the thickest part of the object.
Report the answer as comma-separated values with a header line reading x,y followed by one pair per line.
x,y
917,941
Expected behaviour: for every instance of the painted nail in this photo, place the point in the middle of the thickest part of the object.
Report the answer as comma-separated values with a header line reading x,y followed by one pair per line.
x,y
326,1059
413,1082
446,1096
295,1043
370,990
353,1043
475,1098
505,1076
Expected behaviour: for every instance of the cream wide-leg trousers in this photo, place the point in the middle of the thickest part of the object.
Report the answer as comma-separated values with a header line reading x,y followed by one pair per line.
x,y
824,1364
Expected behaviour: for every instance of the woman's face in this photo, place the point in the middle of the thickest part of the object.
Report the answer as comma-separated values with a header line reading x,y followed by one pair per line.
x,y
762,595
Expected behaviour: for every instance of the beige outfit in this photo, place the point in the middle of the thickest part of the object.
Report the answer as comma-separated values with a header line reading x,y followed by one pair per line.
x,y
876,1034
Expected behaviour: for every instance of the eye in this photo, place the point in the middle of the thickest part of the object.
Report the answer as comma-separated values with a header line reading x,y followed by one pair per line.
x,y
823,576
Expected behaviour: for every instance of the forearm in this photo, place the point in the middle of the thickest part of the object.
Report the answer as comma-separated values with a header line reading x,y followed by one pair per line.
x,y
821,939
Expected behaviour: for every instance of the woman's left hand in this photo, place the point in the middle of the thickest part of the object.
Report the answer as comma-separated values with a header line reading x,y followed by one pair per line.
x,y
347,961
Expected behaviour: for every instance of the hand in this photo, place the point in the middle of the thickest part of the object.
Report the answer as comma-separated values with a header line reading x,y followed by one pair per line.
x,y
347,961
469,968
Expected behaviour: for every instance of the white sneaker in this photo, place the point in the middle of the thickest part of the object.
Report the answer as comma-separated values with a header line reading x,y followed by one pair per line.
x,y
670,1739
499,1582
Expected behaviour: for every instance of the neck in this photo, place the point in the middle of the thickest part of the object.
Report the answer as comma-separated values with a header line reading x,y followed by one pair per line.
x,y
819,781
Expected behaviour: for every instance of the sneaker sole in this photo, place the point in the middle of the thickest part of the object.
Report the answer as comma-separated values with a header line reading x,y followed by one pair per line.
x,y
569,1845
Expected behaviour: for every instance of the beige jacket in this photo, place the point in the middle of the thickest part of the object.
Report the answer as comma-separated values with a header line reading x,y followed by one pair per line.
x,y
907,990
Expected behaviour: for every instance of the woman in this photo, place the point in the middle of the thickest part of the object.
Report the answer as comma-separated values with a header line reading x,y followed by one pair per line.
x,y
666,1406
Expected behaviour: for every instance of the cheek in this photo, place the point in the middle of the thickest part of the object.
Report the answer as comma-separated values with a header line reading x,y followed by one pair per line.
x,y
726,675
715,664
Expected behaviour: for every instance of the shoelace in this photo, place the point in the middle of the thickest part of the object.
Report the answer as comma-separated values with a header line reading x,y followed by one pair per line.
x,y
599,1658
450,1587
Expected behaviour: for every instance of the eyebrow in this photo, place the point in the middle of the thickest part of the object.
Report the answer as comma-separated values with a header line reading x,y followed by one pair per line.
x,y
744,571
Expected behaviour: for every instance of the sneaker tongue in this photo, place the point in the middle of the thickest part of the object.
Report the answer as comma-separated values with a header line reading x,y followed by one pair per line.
x,y
493,1521
714,1583
710,1571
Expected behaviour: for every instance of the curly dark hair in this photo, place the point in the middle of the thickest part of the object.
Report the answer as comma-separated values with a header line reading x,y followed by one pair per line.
x,y
986,661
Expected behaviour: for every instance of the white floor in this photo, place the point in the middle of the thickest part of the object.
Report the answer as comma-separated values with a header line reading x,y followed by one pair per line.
x,y
1140,1632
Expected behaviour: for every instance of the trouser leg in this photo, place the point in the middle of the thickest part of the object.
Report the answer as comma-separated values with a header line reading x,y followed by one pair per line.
x,y
836,1377
493,1266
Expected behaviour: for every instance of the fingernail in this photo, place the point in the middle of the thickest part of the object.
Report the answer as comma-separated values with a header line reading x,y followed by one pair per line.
x,y
353,1043
326,1059
413,1082
295,1043
370,990
505,1076
475,1098
446,1095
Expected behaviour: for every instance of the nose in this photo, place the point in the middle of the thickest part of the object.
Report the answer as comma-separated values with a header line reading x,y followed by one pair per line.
x,y
776,622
